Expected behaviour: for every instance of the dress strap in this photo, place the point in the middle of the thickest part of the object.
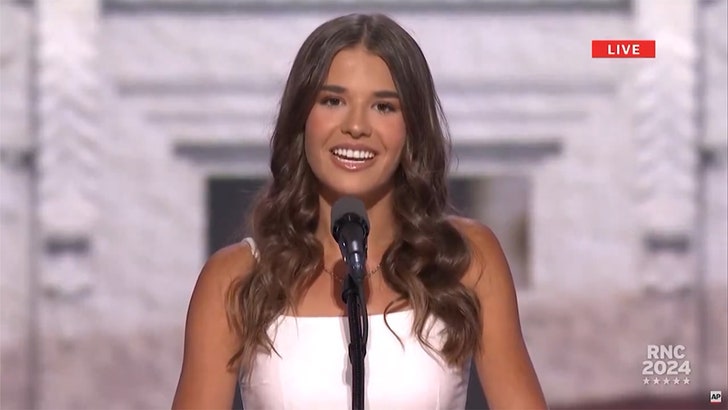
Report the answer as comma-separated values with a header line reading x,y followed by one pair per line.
x,y
253,248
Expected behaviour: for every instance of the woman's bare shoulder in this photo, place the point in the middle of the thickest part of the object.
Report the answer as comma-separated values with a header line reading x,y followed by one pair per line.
x,y
466,226
228,264
221,269
206,380
479,236
504,367
484,247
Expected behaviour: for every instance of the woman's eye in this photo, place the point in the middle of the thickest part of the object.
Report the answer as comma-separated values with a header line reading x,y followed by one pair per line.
x,y
385,107
331,101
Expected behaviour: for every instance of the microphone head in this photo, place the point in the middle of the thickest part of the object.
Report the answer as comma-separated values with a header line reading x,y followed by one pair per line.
x,y
348,209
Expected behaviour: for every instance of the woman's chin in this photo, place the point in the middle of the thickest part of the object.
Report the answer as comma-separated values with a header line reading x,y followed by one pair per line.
x,y
369,194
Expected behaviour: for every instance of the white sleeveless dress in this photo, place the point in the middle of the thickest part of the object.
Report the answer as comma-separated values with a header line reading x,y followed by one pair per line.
x,y
313,370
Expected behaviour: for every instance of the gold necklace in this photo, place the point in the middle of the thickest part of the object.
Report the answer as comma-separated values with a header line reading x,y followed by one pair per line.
x,y
341,278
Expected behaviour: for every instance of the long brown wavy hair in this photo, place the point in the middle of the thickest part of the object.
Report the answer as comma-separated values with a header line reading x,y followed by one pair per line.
x,y
428,258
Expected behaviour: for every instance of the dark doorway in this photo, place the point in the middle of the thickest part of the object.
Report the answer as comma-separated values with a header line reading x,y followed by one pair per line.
x,y
228,203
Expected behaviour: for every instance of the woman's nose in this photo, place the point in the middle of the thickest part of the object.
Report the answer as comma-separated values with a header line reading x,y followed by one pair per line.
x,y
356,123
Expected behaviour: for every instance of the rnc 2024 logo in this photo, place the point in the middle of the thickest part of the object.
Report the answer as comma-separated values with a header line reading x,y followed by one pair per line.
x,y
669,365
665,365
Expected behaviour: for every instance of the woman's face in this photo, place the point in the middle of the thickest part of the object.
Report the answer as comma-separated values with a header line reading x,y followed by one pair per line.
x,y
355,131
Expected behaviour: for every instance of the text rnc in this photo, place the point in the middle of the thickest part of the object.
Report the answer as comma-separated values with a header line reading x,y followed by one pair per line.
x,y
665,352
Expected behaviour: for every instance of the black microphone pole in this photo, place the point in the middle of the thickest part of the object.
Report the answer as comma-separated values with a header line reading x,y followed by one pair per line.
x,y
356,313
350,228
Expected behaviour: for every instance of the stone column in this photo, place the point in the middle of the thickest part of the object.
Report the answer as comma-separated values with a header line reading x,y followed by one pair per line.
x,y
666,145
666,142
67,119
16,215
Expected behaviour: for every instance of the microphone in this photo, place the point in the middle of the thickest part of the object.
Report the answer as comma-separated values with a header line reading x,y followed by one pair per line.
x,y
350,228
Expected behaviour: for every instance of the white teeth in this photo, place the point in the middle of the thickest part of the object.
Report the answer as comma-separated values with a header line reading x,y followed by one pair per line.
x,y
353,154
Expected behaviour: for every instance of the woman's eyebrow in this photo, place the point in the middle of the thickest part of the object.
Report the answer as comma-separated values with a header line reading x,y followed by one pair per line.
x,y
337,89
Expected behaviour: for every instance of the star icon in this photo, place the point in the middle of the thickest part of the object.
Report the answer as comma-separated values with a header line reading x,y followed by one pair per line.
x,y
686,381
665,381
676,380
655,381
646,380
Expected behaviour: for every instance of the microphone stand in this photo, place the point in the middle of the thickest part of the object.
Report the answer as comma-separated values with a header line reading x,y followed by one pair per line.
x,y
353,295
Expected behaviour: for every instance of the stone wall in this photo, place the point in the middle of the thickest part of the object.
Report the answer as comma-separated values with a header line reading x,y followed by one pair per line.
x,y
714,225
16,210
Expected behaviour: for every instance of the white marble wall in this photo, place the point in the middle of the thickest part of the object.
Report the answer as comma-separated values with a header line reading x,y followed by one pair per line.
x,y
16,212
714,225
508,76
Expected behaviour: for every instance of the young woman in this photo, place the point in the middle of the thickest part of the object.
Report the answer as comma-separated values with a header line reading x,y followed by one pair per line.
x,y
359,116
